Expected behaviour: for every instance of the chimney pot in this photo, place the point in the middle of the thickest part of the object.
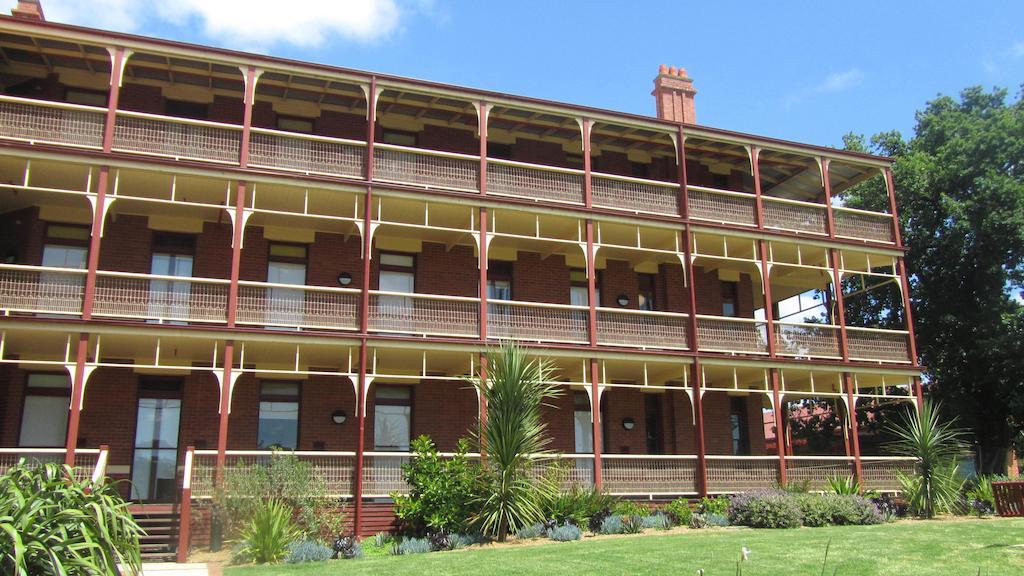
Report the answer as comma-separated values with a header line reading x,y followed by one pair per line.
x,y
674,95
663,69
672,71
29,10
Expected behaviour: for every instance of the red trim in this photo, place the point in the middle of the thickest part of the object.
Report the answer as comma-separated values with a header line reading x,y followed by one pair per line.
x,y
684,195
588,199
482,123
357,494
854,434
595,418
591,286
94,243
225,410
837,287
755,171
77,391
250,100
237,235
483,273
827,184
371,126
780,437
116,69
890,187
483,404
185,517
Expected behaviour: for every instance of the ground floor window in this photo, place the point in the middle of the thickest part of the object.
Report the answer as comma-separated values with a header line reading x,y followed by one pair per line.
x,y
739,427
279,415
44,419
392,418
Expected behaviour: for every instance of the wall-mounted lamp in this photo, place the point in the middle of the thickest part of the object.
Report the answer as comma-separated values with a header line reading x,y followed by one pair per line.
x,y
344,278
623,300
339,417
628,423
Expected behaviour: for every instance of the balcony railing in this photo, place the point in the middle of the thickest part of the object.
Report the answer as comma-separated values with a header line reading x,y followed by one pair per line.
x,y
306,153
863,225
731,335
882,472
803,340
335,469
537,321
533,181
641,475
41,290
722,206
816,470
160,298
642,329
427,168
795,216
178,138
634,194
875,345
90,463
43,122
291,306
729,474
424,314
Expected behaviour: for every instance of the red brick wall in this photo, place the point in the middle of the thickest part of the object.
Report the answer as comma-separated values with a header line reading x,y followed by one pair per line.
x,y
21,236
330,255
213,251
126,245
537,280
709,294
226,109
718,430
449,140
141,98
321,396
453,272
538,152
444,410
341,125
618,278
12,387
558,415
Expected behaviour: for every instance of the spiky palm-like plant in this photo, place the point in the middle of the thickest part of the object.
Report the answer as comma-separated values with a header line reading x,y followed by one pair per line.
x,y
935,445
515,439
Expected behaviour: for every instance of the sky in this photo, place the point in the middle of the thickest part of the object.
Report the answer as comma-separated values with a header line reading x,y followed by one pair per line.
x,y
804,71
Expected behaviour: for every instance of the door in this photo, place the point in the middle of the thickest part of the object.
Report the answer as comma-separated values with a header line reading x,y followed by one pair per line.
x,y
285,305
397,275
155,461
169,299
44,418
583,430
653,423
59,288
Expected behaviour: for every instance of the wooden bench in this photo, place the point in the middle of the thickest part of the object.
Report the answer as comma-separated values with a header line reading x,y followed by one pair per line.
x,y
1009,498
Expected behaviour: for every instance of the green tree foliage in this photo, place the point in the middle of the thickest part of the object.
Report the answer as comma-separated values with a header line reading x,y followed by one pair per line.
x,y
52,524
441,490
960,189
936,445
516,441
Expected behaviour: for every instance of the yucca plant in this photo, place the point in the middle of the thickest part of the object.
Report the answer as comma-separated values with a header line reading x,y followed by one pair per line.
x,y
844,485
51,523
516,441
935,445
269,533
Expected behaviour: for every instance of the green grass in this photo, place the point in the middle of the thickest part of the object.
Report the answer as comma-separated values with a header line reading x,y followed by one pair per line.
x,y
909,547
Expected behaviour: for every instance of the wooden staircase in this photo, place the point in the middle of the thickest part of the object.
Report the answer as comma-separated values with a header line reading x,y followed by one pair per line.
x,y
160,521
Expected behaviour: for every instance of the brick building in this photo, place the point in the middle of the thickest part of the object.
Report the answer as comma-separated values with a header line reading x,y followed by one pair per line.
x,y
208,254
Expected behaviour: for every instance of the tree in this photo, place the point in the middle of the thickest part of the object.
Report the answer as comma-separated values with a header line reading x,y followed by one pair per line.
x,y
960,189
516,439
935,446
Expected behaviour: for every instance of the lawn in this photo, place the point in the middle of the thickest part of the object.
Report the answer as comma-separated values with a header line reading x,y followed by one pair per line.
x,y
921,548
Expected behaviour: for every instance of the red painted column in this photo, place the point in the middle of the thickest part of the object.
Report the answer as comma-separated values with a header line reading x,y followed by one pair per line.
x,y
357,494
96,235
249,101
482,119
591,286
588,198
116,73
830,218
483,405
225,410
371,124
237,236
780,424
483,274
901,269
755,170
77,393
854,433
595,419
837,287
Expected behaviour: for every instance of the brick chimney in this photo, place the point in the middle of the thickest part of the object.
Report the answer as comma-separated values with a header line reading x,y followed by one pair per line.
x,y
673,95
29,10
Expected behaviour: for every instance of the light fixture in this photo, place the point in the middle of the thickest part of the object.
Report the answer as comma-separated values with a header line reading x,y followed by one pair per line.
x,y
339,417
623,300
628,423
344,278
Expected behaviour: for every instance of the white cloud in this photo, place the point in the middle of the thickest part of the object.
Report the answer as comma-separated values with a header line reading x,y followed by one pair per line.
x,y
839,81
245,23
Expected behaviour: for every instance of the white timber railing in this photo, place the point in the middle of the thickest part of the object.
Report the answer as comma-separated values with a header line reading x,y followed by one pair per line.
x,y
424,314
882,472
794,215
731,335
41,289
863,225
306,153
534,181
537,321
647,475
45,122
297,306
427,168
90,463
335,469
816,470
722,206
641,329
806,340
876,345
729,474
178,138
160,298
634,194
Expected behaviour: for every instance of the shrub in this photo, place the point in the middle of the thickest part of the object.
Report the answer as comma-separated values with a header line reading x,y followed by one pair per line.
x,y
269,533
578,504
659,520
630,508
535,530
838,510
679,511
980,497
441,490
716,505
611,525
53,524
765,509
843,485
347,548
411,546
699,520
565,533
632,524
935,445
595,522
381,538
458,541
889,508
302,551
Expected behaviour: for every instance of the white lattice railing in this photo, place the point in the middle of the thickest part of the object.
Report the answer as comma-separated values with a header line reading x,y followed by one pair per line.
x,y
641,475
730,474
336,469
882,472
641,329
876,345
721,206
160,298
816,470
382,474
306,153
784,214
863,225
41,290
424,314
90,463
537,321
634,194
522,180
47,122
179,138
293,306
739,335
428,168
803,340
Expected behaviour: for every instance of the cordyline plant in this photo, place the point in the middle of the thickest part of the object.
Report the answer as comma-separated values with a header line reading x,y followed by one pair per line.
x,y
935,445
516,441
53,524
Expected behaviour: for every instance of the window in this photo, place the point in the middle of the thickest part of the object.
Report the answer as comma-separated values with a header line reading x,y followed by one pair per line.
x,y
86,97
44,419
498,150
738,425
172,256
398,137
155,457
293,124
279,415
185,109
392,418
574,161
582,424
645,295
67,246
653,423
730,299
286,265
640,170
499,280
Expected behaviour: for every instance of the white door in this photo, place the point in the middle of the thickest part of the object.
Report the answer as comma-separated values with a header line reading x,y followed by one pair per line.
x,y
56,287
285,306
169,299
44,421
397,311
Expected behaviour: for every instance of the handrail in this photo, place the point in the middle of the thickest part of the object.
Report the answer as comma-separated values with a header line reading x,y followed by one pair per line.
x,y
139,276
750,458
254,284
749,195
731,319
424,296
100,471
537,304
644,312
426,151
648,456
304,136
793,202
186,480
880,215
833,458
52,104
275,452
30,268
806,324
179,120
621,178
542,167
29,450
876,330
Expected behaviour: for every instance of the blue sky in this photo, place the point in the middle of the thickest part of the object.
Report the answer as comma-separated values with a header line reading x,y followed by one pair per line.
x,y
806,71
